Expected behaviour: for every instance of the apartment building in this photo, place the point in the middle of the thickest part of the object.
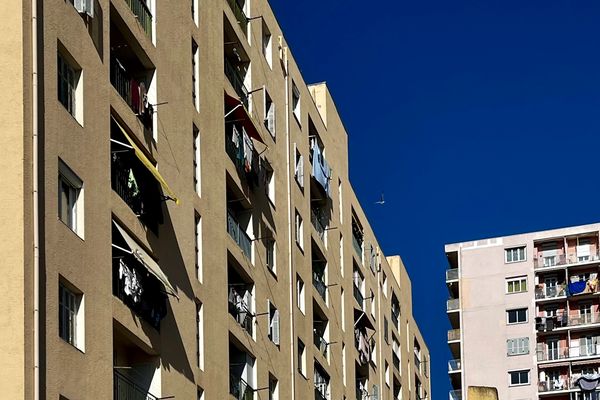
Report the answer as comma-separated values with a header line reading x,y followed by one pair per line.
x,y
179,222
524,313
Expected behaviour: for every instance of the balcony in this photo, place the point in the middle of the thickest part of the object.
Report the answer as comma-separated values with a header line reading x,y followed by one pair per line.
x,y
239,235
126,389
357,247
236,81
143,15
451,274
453,334
454,365
542,262
452,304
133,90
319,227
319,284
573,352
455,395
241,308
360,298
240,15
396,361
319,395
417,362
320,343
549,292
554,386
239,389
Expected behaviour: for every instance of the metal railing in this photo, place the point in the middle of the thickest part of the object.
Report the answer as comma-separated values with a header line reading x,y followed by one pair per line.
x,y
563,353
417,362
395,315
454,365
362,394
319,284
563,259
451,274
239,235
236,81
124,186
143,14
240,307
453,334
240,15
559,353
126,389
555,385
360,298
584,319
550,292
319,395
452,304
357,247
239,389
396,361
318,225
455,395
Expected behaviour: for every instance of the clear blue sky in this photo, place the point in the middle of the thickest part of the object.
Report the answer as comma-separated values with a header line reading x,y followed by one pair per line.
x,y
476,118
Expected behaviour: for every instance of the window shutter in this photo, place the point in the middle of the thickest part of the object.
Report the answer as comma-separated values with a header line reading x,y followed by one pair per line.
x,y
301,170
525,345
271,119
79,5
275,327
89,8
510,348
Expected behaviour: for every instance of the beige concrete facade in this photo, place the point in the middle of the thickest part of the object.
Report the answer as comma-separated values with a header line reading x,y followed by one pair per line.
x,y
524,313
170,242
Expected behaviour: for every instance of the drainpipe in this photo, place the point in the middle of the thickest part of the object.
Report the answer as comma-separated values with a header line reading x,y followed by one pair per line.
x,y
290,218
36,228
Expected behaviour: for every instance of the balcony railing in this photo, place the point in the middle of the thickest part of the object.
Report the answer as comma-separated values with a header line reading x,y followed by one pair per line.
x,y
584,319
239,236
417,362
321,343
563,353
549,292
126,389
143,15
451,274
357,247
123,182
455,395
316,221
241,308
452,304
239,389
395,315
563,259
360,298
319,395
139,291
396,361
454,365
319,284
240,15
129,89
453,334
236,81
554,385
362,394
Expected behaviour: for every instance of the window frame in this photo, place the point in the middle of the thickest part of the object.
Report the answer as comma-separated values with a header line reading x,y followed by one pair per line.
x,y
519,280
519,346
519,371
75,207
296,103
516,310
507,251
73,332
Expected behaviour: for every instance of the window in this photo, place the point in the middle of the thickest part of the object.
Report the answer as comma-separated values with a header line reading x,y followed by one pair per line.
x,y
299,231
70,199
196,159
84,7
299,168
385,330
273,323
519,377
387,373
269,114
200,393
271,255
515,254
342,265
301,358
300,293
269,182
517,346
199,335
372,301
198,246
273,388
267,44
516,316
195,75
341,201
296,102
195,15
70,89
70,315
343,309
516,285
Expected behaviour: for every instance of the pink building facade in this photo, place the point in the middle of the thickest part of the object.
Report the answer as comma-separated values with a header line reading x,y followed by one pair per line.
x,y
524,312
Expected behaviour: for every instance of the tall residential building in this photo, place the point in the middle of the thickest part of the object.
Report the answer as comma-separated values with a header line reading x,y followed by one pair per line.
x,y
178,218
524,311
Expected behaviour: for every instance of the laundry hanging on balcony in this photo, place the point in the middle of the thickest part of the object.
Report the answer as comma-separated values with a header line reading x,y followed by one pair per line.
x,y
320,168
147,261
149,165
588,382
